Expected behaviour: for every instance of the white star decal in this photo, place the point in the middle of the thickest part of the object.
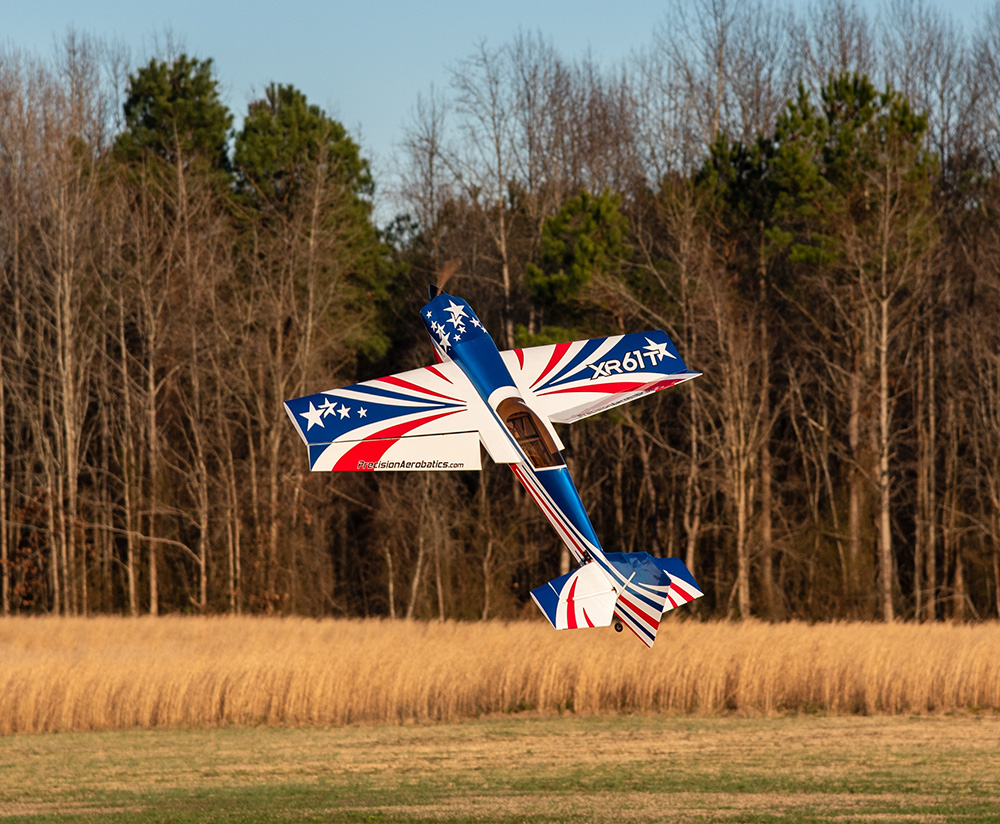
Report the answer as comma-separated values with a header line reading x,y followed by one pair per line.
x,y
657,351
443,340
456,311
344,412
429,313
476,323
328,407
362,412
314,416
437,328
458,335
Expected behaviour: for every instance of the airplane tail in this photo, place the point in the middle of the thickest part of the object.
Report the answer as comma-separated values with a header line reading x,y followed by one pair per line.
x,y
581,598
635,592
653,586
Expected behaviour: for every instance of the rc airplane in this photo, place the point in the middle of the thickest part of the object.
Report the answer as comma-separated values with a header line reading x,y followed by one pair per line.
x,y
435,418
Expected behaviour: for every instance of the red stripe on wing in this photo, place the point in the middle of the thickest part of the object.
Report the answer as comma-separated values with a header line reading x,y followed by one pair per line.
x,y
434,371
557,354
607,388
395,381
375,446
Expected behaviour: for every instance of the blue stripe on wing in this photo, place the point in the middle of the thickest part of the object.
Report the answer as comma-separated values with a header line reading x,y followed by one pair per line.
x,y
581,357
325,417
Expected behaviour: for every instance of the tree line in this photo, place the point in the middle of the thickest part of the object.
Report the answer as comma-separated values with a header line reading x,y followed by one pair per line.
x,y
806,203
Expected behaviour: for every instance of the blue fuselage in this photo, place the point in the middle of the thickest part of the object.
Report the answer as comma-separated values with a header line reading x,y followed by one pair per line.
x,y
458,335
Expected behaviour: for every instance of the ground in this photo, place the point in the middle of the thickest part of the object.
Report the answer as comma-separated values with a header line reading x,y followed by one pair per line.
x,y
625,768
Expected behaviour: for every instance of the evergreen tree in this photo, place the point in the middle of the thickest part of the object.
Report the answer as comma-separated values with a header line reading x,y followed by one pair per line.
x,y
282,139
305,193
583,242
173,112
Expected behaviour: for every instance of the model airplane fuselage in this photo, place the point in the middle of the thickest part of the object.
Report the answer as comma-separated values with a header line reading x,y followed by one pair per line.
x,y
435,418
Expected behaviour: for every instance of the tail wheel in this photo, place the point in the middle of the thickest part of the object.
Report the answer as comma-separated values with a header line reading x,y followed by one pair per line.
x,y
618,626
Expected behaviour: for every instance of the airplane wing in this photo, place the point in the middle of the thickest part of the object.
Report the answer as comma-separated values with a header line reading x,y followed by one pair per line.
x,y
570,381
427,419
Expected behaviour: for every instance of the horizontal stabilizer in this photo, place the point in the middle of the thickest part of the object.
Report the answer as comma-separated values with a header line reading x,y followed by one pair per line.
x,y
681,580
581,598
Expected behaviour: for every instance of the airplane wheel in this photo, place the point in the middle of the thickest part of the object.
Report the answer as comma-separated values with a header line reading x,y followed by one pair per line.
x,y
618,626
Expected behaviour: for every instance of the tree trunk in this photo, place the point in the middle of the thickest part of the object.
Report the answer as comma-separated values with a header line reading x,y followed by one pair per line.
x,y
766,532
766,526
127,460
920,532
233,532
692,496
390,580
886,573
855,486
4,518
996,566
959,598
930,547
742,550
153,498
54,543
417,572
438,583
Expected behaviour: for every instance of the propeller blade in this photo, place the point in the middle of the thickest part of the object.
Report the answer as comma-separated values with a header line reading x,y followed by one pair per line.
x,y
446,271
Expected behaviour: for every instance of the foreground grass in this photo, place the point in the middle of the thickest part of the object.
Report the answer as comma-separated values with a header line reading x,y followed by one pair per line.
x,y
636,769
60,675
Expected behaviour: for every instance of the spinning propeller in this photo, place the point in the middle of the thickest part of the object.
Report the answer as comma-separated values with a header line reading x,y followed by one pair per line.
x,y
447,270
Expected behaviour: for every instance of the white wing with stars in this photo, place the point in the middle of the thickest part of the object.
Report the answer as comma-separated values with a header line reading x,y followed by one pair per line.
x,y
425,419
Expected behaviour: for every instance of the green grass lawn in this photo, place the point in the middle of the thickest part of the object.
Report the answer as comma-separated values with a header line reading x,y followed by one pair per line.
x,y
800,769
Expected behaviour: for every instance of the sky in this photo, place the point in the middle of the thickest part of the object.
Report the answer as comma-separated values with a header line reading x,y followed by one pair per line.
x,y
363,61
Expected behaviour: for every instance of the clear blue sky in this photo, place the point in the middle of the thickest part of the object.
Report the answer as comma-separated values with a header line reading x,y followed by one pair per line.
x,y
363,61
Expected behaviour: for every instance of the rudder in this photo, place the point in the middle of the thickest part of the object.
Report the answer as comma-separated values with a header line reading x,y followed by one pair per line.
x,y
649,588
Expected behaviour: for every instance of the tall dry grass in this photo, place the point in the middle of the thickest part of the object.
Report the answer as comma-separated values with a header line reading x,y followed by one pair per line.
x,y
112,673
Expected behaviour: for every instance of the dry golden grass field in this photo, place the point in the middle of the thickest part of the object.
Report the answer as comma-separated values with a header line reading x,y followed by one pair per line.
x,y
115,673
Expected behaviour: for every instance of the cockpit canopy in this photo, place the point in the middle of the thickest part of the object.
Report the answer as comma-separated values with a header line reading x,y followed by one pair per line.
x,y
530,433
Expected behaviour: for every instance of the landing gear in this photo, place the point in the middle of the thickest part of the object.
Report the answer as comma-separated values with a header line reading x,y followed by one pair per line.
x,y
618,626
